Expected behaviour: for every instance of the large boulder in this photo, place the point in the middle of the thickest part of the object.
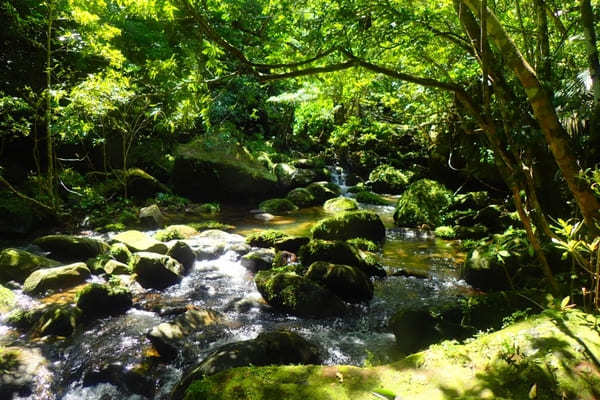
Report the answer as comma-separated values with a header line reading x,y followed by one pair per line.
x,y
182,252
17,265
269,348
323,191
291,243
277,206
139,241
156,270
297,295
140,184
302,197
265,238
68,248
167,337
220,171
339,204
173,232
349,225
422,203
151,217
387,179
56,278
347,282
339,252
97,300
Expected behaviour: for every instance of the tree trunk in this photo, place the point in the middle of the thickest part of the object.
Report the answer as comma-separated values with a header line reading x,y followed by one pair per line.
x,y
48,111
543,64
545,114
587,21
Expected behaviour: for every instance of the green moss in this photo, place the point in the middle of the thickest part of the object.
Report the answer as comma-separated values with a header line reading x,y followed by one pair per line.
x,y
97,300
9,359
175,232
207,225
322,191
301,197
387,179
364,244
348,225
7,299
120,252
339,252
339,204
555,351
265,238
370,198
117,227
422,203
445,232
276,206
17,265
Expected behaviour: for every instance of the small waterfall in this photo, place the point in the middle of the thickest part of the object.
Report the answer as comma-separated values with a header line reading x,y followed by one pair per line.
x,y
339,176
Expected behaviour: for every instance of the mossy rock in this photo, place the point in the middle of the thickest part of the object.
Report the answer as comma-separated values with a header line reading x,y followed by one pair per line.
x,y
140,184
387,179
323,191
156,270
139,241
98,300
211,225
120,252
114,267
445,232
168,338
364,244
367,197
340,204
56,278
348,225
269,348
483,270
258,260
7,299
182,252
17,265
422,203
547,351
301,197
68,248
265,238
52,319
347,282
209,169
290,176
291,243
277,206
175,232
297,295
339,252
475,232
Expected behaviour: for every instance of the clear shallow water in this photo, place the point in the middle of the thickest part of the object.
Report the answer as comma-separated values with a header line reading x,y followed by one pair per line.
x,y
102,360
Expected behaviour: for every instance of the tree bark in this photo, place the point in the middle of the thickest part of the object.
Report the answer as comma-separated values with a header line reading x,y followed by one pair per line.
x,y
543,59
545,114
48,111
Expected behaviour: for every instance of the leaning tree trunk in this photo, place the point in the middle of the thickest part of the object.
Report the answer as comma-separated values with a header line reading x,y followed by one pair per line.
x,y
545,114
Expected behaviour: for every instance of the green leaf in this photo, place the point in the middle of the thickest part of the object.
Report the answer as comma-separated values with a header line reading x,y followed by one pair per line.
x,y
565,302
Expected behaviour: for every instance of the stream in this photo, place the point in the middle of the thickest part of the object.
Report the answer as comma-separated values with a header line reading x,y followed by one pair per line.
x,y
94,363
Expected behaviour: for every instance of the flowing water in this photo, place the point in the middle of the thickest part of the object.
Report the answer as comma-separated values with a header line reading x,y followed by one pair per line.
x,y
103,360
